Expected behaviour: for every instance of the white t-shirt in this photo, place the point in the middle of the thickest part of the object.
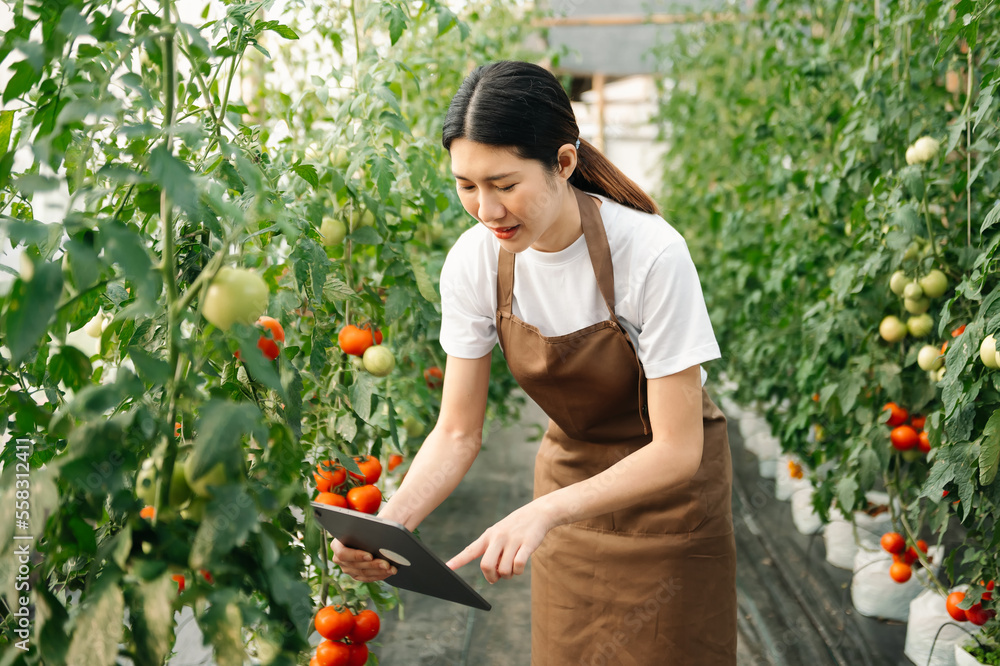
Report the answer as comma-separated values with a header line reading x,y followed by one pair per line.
x,y
658,297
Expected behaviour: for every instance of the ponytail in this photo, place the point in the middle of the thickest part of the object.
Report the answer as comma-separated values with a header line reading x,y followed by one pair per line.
x,y
595,173
523,107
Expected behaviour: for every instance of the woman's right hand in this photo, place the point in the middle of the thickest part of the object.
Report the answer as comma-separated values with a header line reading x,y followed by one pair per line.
x,y
360,565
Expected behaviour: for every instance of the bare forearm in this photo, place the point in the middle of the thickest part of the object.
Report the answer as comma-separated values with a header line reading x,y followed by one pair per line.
x,y
442,461
650,471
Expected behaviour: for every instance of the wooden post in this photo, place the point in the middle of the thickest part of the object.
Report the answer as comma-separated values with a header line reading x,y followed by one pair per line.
x,y
599,142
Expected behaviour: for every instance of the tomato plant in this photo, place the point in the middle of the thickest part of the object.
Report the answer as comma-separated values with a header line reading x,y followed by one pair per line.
x,y
169,177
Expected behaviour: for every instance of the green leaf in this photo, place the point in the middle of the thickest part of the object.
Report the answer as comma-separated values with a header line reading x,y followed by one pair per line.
x,y
381,174
282,30
989,452
32,305
336,289
71,367
126,247
307,172
361,395
913,179
21,82
222,625
151,611
99,629
311,266
366,236
396,302
424,284
397,24
175,178
221,428
154,370
6,123
991,218
229,518
847,490
869,468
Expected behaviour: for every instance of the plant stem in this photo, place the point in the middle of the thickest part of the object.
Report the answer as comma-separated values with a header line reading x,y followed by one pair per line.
x,y
968,152
169,273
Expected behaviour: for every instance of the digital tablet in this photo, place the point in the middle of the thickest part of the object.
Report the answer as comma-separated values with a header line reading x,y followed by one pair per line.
x,y
417,568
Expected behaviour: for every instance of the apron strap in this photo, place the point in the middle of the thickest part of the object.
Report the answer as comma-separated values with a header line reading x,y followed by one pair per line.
x,y
600,251
505,281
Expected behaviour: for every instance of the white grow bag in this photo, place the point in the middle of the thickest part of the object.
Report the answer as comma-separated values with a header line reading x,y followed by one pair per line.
x,y
929,620
806,520
839,533
875,594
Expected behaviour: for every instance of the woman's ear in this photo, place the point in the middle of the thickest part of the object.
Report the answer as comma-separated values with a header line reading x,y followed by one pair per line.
x,y
567,157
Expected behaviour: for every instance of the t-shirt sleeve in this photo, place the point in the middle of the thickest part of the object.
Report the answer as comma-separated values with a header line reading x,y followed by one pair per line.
x,y
676,332
468,302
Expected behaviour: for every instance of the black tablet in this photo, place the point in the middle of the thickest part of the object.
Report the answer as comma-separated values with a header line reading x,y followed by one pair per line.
x,y
417,568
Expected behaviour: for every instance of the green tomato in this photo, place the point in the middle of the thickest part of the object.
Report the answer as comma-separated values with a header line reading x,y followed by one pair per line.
x,y
920,325
180,492
988,351
360,218
200,485
195,510
929,358
145,483
898,282
917,306
235,295
378,360
333,231
892,329
414,428
934,284
913,291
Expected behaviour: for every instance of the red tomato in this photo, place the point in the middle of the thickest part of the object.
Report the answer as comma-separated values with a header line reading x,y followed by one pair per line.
x,y
207,575
954,599
988,594
897,415
334,622
958,331
365,499
978,615
355,341
922,545
371,469
332,499
359,655
330,473
366,626
434,377
179,579
893,542
918,422
900,572
395,460
329,653
910,556
904,438
924,442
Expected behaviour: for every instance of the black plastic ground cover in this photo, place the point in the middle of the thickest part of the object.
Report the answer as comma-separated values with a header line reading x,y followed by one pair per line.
x,y
795,608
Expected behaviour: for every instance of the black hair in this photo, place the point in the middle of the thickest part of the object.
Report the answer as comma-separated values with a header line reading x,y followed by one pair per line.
x,y
522,106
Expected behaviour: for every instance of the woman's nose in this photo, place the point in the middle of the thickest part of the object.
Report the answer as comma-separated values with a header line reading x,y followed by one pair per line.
x,y
490,209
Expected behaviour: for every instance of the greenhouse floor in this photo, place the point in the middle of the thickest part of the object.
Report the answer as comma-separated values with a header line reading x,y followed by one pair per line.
x,y
794,608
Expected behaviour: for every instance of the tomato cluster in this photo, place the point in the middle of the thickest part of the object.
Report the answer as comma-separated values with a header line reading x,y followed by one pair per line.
x,y
903,557
349,490
907,431
345,634
269,345
975,614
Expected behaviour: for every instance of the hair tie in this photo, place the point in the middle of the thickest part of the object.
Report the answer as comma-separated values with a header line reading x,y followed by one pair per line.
x,y
578,144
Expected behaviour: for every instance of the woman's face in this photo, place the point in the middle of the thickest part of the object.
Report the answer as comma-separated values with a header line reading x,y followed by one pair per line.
x,y
522,203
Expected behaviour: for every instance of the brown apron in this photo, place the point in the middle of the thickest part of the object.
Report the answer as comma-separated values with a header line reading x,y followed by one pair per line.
x,y
653,584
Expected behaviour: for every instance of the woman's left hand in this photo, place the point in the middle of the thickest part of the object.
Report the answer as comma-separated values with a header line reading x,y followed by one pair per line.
x,y
506,547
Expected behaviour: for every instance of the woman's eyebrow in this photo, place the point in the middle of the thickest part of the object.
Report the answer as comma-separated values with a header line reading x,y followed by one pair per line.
x,y
496,177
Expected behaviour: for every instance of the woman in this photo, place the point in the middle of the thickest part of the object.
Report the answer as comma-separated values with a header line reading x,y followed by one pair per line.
x,y
630,531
